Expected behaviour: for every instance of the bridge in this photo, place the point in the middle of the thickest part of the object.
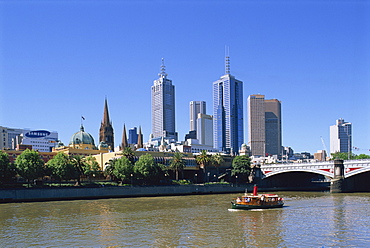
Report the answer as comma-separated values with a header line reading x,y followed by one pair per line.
x,y
344,176
351,168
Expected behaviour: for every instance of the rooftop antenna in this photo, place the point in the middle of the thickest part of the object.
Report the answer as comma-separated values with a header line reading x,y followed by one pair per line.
x,y
227,60
163,73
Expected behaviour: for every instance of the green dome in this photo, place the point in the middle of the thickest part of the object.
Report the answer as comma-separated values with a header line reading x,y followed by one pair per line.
x,y
81,137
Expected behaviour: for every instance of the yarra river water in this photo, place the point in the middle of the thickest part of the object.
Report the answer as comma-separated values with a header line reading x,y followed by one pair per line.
x,y
310,219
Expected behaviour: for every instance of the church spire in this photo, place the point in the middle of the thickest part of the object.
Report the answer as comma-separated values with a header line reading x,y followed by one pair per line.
x,y
106,113
140,139
124,138
106,133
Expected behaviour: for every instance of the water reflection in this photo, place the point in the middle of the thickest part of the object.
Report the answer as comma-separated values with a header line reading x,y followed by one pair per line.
x,y
310,219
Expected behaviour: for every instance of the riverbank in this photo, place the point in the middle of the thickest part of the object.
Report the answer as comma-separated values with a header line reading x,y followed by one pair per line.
x,y
81,193
78,193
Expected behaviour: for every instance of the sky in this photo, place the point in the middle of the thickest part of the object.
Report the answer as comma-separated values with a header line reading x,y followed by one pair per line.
x,y
59,60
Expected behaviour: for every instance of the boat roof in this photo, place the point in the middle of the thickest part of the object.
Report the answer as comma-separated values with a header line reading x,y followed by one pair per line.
x,y
266,195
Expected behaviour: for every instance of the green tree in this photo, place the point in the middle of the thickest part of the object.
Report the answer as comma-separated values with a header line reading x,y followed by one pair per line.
x,y
29,165
128,153
62,167
362,156
241,166
217,160
108,171
79,162
343,156
177,164
91,167
147,170
203,159
7,169
123,169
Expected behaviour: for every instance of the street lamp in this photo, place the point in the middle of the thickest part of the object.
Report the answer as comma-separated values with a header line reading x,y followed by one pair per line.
x,y
131,179
208,176
196,181
236,177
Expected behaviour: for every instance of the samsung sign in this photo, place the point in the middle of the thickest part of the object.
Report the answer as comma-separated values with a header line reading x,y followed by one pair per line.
x,y
37,134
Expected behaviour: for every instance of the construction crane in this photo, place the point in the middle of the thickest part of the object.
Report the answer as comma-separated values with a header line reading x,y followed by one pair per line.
x,y
323,144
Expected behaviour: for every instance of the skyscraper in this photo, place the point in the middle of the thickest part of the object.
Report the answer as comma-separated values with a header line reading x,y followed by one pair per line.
x,y
205,129
228,112
273,127
196,107
264,125
132,135
163,107
340,137
256,125
106,129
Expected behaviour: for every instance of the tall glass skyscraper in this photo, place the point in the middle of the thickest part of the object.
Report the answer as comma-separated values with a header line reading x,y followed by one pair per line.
x,y
340,137
163,107
228,131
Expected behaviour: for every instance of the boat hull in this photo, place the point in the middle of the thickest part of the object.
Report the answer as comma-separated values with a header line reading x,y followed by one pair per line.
x,y
250,206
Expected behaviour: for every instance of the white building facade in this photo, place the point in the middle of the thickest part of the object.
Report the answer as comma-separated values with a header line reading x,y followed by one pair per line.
x,y
195,108
205,129
40,140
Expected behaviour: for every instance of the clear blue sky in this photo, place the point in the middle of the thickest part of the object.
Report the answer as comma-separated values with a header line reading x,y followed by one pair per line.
x,y
60,59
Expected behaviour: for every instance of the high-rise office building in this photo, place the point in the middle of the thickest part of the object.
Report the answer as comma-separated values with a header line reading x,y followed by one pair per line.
x,y
196,107
273,127
163,107
132,135
228,112
256,125
205,129
340,137
264,125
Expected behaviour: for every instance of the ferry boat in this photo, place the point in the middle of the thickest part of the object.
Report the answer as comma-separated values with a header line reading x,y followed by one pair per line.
x,y
257,201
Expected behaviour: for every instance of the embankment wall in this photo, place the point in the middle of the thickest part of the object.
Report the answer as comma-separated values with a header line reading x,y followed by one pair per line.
x,y
73,193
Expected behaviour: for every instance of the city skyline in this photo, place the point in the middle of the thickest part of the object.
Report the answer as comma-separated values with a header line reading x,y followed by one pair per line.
x,y
59,60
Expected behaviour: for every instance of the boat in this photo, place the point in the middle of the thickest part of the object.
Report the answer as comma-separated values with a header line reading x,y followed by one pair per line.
x,y
257,201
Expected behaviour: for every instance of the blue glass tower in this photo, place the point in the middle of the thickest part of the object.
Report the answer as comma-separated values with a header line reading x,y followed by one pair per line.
x,y
228,112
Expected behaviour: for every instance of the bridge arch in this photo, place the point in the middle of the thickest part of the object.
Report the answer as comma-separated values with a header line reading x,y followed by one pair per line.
x,y
356,172
314,171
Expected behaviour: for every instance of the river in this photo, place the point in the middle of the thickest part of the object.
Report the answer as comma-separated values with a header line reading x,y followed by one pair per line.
x,y
309,219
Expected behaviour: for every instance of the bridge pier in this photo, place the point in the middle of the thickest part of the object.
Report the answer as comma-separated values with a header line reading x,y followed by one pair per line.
x,y
338,183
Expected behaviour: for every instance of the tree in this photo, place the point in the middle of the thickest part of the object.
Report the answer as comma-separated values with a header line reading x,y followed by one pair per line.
x,y
7,169
241,166
177,163
342,155
362,156
62,167
79,162
90,167
147,170
203,159
217,160
108,171
128,153
123,169
29,165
